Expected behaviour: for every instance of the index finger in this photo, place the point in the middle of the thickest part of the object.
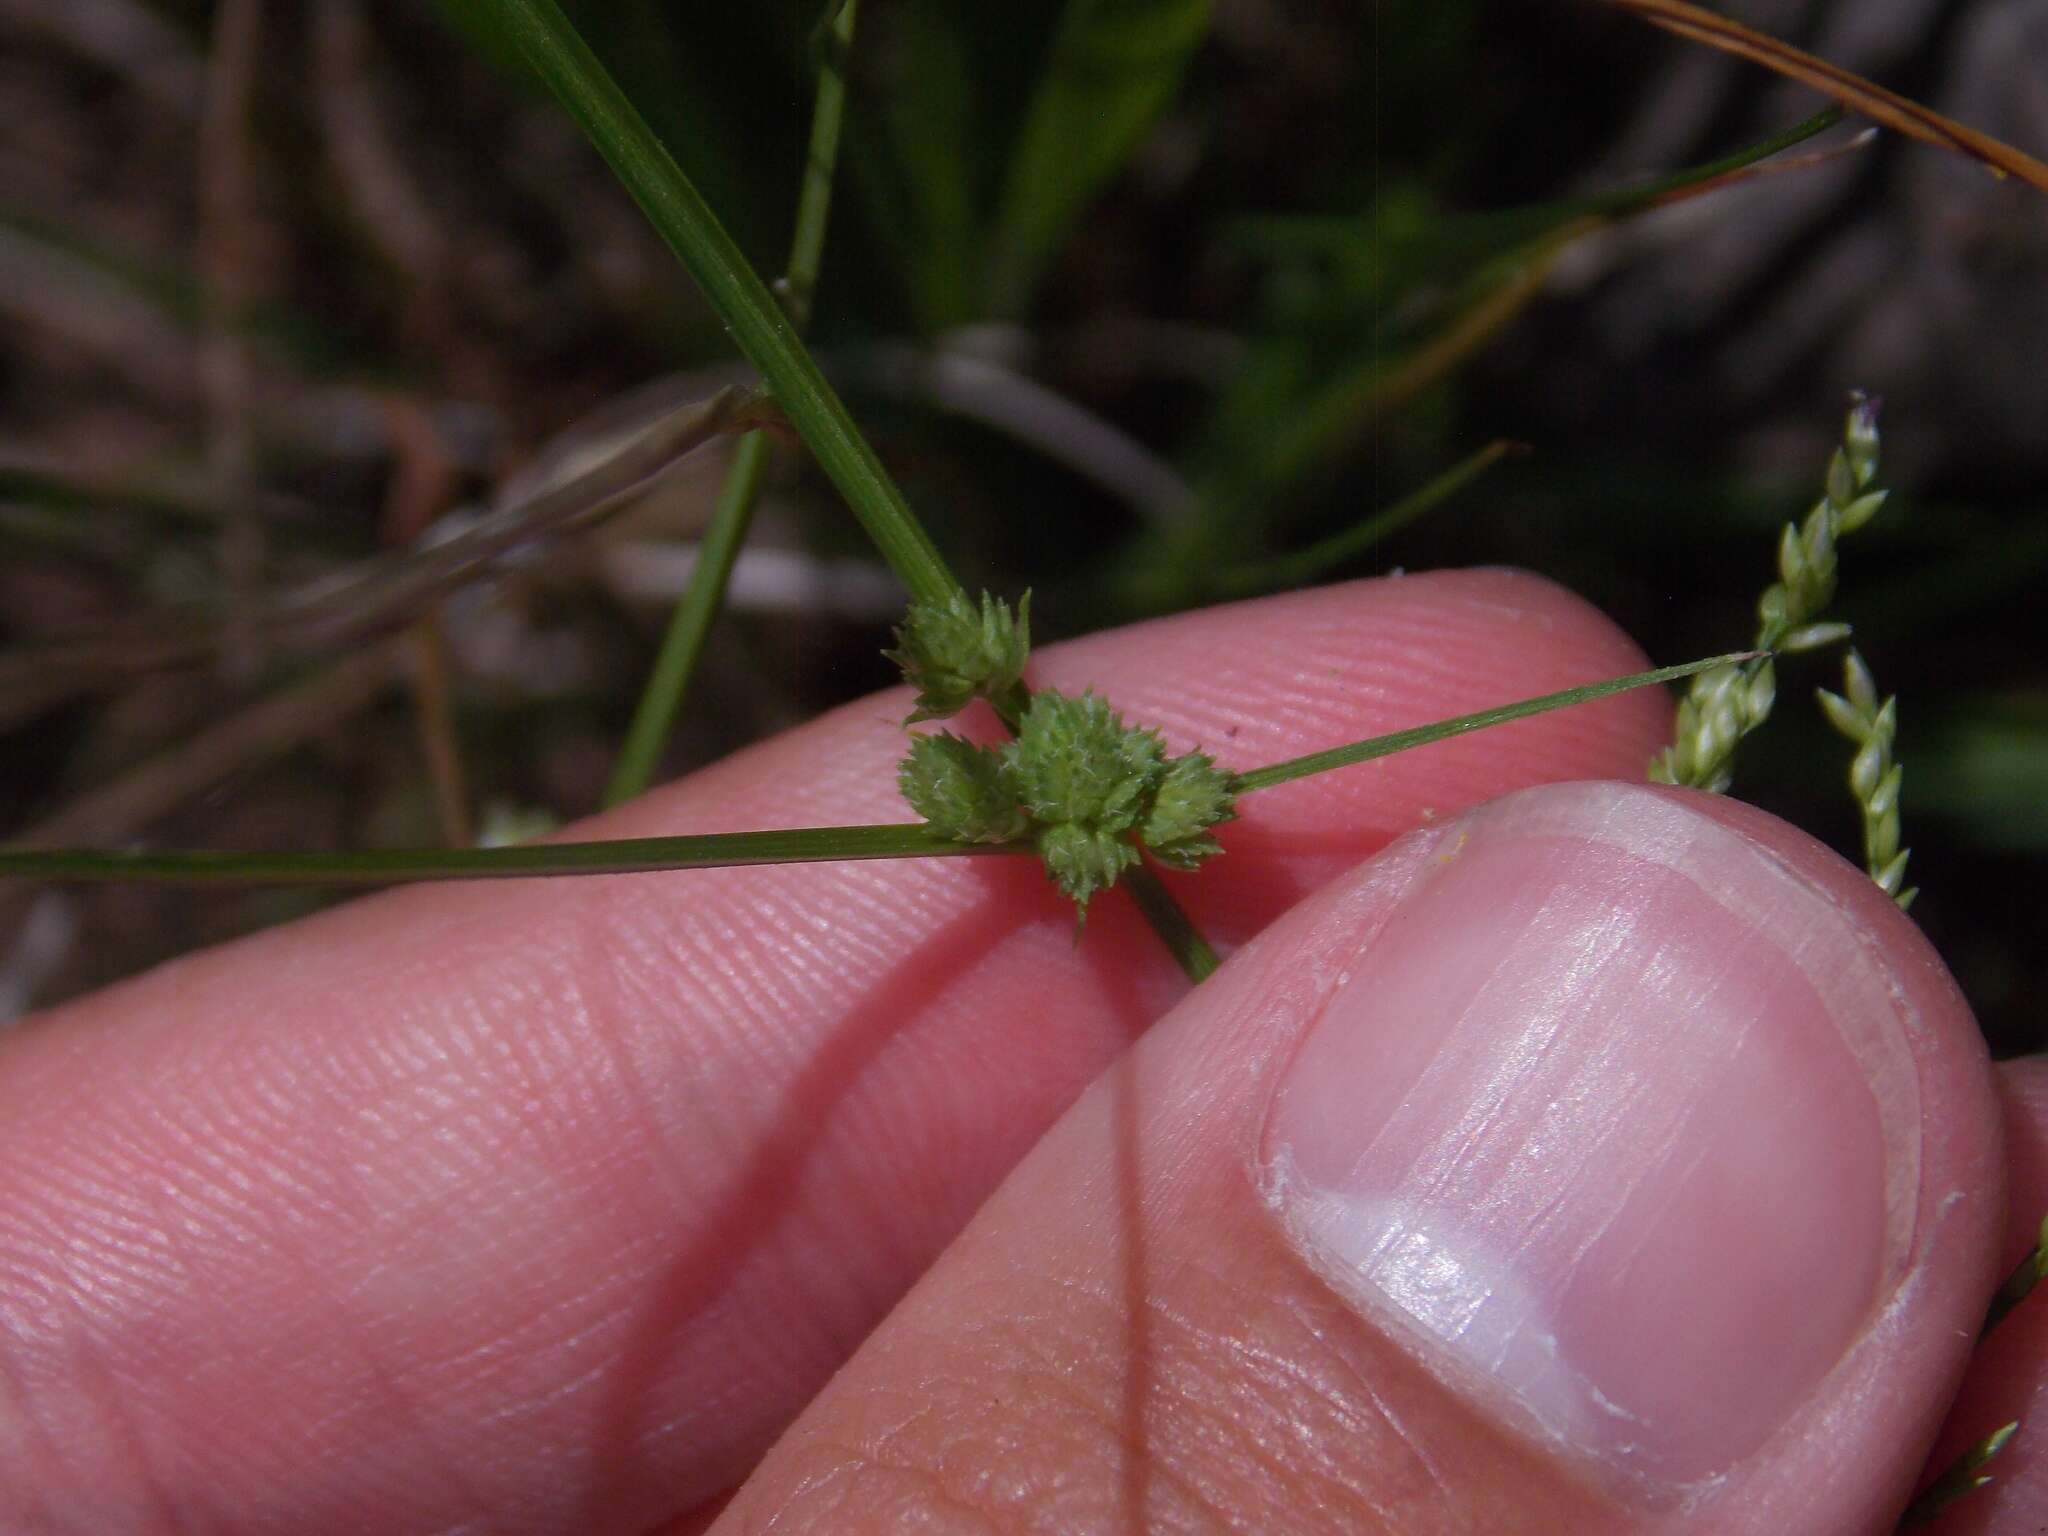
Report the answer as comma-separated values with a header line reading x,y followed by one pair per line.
x,y
547,1205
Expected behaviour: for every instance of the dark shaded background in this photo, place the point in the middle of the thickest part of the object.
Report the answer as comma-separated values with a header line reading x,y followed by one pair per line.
x,y
240,351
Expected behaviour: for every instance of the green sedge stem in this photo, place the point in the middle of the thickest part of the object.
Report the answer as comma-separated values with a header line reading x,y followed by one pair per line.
x,y
682,646
1963,1477
760,326
821,159
1307,565
724,849
633,855
1171,922
2020,1284
1625,202
1423,735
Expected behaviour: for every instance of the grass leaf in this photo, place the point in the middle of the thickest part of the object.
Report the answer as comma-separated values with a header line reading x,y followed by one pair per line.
x,y
2020,1284
1888,108
1315,562
1963,1477
1113,66
918,135
1345,340
758,323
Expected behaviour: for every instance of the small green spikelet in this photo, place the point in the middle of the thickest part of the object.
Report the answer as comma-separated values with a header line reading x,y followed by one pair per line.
x,y
1723,706
1874,778
963,790
1087,780
953,653
1092,783
1193,797
1075,761
1082,861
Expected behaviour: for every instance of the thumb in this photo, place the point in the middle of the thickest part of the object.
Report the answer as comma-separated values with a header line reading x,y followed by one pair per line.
x,y
1605,1159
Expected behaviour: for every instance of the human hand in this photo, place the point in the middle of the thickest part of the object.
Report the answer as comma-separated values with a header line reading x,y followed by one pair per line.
x,y
1665,1149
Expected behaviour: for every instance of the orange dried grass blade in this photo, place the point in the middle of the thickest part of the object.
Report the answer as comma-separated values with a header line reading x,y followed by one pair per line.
x,y
1851,90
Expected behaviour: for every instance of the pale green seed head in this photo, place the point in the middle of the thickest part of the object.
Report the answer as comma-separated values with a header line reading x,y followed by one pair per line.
x,y
962,790
1194,796
1074,760
1083,861
954,652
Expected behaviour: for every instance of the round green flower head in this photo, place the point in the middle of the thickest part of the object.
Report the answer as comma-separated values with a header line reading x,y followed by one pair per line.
x,y
953,653
962,790
1087,790
1096,789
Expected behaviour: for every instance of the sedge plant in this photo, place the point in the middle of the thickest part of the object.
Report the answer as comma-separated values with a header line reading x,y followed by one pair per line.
x,y
1100,801
1094,797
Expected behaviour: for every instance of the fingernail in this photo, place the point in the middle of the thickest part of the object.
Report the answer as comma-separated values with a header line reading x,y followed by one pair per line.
x,y
1614,1124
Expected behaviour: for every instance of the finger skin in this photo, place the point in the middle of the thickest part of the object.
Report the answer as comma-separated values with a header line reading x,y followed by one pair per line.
x,y
1124,1340
2008,1377
546,1205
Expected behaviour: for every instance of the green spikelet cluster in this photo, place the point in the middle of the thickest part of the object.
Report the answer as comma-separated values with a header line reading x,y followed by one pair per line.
x,y
961,789
1192,797
1086,789
1874,778
1087,780
1726,704
954,652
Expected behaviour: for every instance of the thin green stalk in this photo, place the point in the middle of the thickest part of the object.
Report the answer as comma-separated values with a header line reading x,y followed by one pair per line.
x,y
400,866
1964,1476
1624,201
802,845
2020,1284
1309,564
654,718
821,160
1171,922
1423,735
661,701
760,326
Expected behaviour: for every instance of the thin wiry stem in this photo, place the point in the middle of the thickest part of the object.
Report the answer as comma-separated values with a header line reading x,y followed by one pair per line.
x,y
1963,1477
1197,956
403,866
1423,735
2020,1284
801,845
759,325
682,645
1309,564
